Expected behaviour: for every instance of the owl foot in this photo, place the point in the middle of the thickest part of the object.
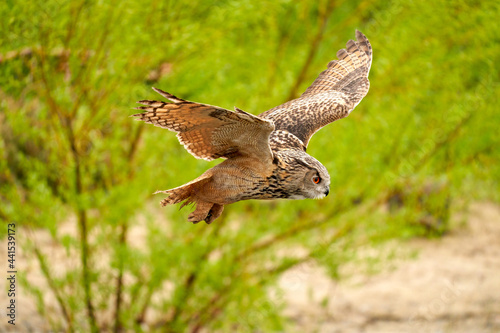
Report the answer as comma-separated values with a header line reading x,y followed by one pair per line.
x,y
205,211
214,213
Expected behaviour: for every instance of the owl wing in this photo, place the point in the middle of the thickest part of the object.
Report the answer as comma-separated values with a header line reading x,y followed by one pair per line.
x,y
332,96
209,132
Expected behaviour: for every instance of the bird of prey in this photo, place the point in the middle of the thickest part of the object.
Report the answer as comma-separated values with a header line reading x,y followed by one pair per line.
x,y
265,155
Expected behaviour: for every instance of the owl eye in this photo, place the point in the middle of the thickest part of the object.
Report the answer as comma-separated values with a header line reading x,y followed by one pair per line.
x,y
316,179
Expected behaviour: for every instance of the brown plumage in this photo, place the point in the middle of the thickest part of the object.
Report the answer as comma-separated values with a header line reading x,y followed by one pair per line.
x,y
265,155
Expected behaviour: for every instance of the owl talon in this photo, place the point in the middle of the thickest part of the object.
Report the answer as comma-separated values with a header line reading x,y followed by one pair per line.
x,y
208,219
214,213
201,212
194,218
205,211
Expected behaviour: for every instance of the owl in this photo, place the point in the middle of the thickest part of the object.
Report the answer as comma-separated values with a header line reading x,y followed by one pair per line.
x,y
265,155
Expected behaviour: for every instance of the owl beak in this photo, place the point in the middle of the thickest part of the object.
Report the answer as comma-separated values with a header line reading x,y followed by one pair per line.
x,y
327,191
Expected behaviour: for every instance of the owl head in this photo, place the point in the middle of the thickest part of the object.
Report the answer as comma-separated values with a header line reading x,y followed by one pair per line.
x,y
306,177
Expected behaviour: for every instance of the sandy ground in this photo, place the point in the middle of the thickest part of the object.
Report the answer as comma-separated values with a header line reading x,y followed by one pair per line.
x,y
452,286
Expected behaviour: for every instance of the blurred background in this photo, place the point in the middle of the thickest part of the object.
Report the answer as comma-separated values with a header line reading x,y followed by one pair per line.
x,y
407,240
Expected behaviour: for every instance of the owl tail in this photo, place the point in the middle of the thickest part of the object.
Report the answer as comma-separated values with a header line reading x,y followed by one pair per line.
x,y
186,192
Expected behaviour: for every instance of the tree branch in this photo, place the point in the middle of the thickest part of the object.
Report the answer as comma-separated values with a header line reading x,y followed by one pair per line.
x,y
323,22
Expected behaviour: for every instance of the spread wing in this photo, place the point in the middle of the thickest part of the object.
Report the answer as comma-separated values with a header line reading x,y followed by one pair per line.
x,y
209,132
332,96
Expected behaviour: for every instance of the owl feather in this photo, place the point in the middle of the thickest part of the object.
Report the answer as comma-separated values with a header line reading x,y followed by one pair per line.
x,y
265,155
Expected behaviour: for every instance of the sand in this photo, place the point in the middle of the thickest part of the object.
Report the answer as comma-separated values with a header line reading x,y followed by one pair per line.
x,y
453,285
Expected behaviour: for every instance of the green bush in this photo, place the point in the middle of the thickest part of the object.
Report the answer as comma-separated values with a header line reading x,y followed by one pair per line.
x,y
423,142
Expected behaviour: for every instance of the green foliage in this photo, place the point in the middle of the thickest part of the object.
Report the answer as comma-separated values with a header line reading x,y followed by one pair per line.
x,y
423,142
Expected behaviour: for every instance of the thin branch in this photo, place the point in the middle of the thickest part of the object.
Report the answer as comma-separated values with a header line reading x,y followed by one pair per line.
x,y
56,291
449,137
291,232
133,144
142,314
282,40
82,222
193,276
212,308
66,123
123,241
118,327
311,255
323,22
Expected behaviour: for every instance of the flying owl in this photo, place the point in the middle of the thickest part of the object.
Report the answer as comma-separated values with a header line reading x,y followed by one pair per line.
x,y
265,155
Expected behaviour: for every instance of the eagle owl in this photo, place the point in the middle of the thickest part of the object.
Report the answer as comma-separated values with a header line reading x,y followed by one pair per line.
x,y
265,155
